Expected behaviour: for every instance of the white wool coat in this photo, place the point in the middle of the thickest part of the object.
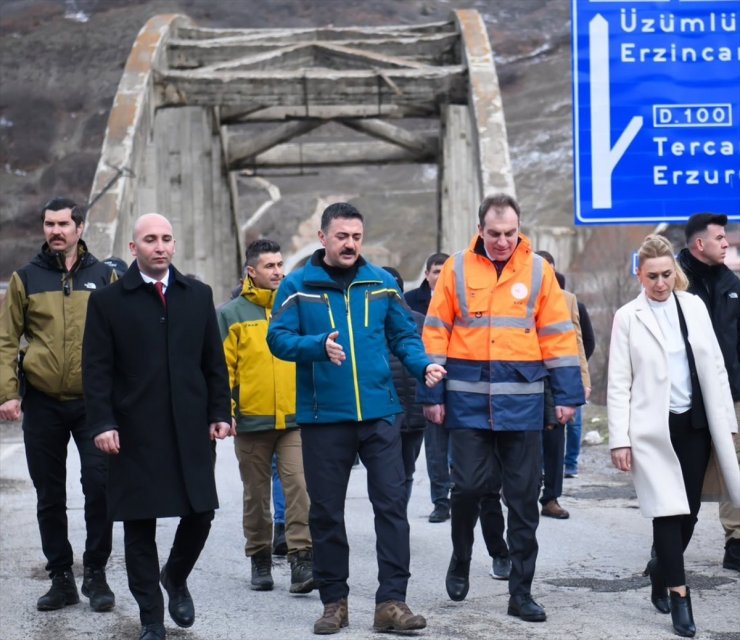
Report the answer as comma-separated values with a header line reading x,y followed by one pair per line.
x,y
638,400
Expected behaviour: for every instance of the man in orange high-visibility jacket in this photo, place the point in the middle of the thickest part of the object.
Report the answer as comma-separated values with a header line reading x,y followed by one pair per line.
x,y
498,323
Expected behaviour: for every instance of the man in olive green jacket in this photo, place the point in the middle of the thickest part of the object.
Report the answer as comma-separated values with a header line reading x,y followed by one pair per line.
x,y
46,303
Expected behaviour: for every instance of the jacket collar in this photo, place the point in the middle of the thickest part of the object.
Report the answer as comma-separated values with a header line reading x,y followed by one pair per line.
x,y
647,317
522,250
132,278
316,275
260,297
55,260
697,268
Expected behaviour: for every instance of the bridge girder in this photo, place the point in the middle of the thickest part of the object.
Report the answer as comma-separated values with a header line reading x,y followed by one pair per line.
x,y
196,105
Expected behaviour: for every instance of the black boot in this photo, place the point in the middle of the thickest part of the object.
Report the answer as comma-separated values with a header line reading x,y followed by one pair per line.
x,y
457,579
301,571
659,592
63,592
682,615
95,587
261,571
279,544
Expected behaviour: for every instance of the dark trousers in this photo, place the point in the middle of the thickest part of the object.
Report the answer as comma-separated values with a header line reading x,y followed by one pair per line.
x,y
553,453
492,523
411,442
47,426
328,453
477,456
436,448
672,534
142,561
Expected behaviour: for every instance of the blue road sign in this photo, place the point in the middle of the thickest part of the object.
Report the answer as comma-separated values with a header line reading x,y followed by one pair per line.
x,y
656,109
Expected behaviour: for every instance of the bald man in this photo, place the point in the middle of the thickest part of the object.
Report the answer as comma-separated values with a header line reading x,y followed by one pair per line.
x,y
157,395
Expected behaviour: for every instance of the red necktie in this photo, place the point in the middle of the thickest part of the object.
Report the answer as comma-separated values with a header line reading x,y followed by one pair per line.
x,y
160,291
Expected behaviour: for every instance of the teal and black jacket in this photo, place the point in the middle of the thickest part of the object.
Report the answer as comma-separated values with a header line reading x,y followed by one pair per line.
x,y
370,316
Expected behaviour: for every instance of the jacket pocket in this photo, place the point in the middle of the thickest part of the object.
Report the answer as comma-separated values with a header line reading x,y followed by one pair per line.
x,y
527,371
467,371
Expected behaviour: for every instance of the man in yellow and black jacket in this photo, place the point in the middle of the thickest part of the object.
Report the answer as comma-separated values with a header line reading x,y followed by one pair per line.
x,y
46,303
263,406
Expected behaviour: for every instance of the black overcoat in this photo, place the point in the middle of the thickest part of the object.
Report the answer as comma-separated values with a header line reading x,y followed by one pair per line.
x,y
159,377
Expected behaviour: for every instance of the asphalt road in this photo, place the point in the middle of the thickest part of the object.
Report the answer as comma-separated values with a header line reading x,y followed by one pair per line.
x,y
588,573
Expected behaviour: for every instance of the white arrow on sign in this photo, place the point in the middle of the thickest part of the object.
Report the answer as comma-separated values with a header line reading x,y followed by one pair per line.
x,y
603,157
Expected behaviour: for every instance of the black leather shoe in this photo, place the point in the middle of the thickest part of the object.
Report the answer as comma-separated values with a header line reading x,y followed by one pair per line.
x,y
682,615
731,558
180,606
154,631
457,581
526,608
659,589
440,513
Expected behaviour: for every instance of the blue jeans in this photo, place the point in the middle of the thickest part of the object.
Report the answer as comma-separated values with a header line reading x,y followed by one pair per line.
x,y
278,497
436,447
573,442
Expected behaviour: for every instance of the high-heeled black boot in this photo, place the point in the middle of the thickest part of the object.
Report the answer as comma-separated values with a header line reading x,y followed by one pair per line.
x,y
659,590
682,615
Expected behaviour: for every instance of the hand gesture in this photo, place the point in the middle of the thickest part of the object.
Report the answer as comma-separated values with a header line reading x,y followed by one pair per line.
x,y
334,350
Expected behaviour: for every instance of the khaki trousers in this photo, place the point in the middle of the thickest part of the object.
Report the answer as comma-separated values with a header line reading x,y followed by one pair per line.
x,y
254,452
729,516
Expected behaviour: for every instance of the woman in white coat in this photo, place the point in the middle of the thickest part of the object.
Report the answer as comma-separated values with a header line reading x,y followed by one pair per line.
x,y
669,406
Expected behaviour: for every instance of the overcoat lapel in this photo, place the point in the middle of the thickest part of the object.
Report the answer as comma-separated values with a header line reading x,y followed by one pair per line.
x,y
647,317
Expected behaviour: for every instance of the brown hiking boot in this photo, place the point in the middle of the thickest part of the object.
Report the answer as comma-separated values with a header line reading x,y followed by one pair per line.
x,y
393,615
335,617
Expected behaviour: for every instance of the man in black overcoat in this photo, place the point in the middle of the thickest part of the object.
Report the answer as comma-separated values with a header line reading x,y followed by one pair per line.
x,y
157,394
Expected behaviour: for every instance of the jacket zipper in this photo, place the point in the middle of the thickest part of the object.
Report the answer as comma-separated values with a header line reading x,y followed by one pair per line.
x,y
355,381
331,315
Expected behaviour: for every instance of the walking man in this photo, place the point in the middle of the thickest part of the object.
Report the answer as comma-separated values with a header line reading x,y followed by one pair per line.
x,y
703,261
436,439
499,323
263,405
46,303
157,394
336,318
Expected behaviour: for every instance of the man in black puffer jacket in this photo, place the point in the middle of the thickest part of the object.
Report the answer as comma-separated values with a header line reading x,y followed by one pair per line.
x,y
703,260
412,421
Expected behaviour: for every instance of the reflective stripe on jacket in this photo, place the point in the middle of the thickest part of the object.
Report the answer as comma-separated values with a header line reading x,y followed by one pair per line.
x,y
262,386
499,338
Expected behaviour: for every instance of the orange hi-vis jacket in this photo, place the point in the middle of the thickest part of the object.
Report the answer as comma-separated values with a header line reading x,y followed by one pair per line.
x,y
499,337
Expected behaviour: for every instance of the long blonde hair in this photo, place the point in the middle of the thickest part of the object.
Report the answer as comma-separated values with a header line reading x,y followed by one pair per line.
x,y
657,246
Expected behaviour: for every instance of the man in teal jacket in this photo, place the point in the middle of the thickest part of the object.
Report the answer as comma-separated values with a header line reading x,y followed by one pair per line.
x,y
336,318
